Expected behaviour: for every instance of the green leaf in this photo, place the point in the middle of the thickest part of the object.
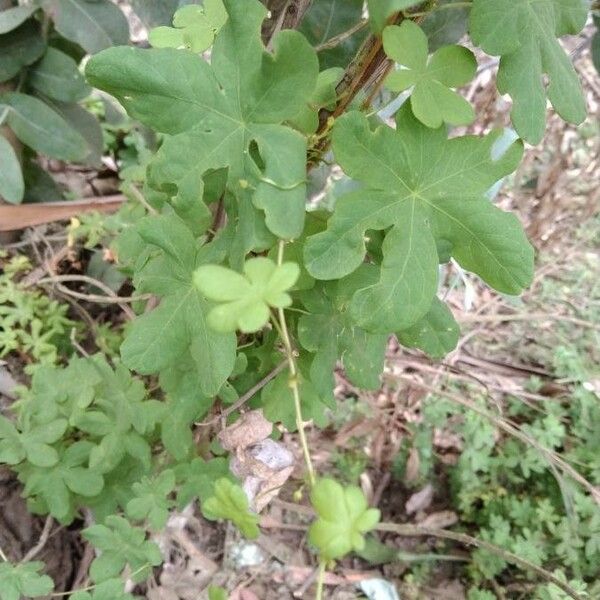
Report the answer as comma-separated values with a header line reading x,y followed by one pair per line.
x,y
245,299
58,77
121,545
230,502
151,499
19,48
177,330
198,479
324,96
226,114
343,517
523,33
380,10
328,18
11,18
445,26
331,334
425,202
194,28
433,103
23,580
57,485
107,590
437,333
277,401
12,187
93,25
41,128
216,593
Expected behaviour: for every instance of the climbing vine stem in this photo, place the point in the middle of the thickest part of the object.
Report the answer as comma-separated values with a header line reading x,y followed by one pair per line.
x,y
281,326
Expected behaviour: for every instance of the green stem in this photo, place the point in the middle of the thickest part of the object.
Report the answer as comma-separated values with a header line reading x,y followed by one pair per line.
x,y
294,379
320,580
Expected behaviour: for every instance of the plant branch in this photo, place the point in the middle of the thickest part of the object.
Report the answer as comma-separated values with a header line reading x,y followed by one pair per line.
x,y
341,37
408,530
294,379
41,542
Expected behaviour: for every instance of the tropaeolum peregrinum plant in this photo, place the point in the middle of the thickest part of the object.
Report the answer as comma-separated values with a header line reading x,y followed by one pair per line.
x,y
243,292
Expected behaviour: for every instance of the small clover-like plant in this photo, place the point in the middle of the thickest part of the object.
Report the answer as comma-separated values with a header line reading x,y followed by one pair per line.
x,y
151,499
112,589
245,300
23,580
343,519
194,27
121,545
432,100
230,502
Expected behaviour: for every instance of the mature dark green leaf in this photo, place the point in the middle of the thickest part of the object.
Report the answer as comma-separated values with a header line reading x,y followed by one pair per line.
x,y
428,189
227,114
380,10
330,333
41,128
523,33
157,12
12,186
436,333
88,126
198,479
445,27
93,25
20,48
163,338
326,19
151,499
39,185
11,18
58,77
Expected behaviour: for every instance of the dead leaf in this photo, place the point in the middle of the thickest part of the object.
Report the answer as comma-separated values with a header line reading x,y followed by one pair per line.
x,y
420,500
440,520
249,429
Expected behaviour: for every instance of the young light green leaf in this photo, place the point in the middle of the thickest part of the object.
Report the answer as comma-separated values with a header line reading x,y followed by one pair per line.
x,y
121,545
216,593
523,33
228,114
343,517
151,499
11,18
432,100
436,333
380,10
19,48
93,25
176,333
230,502
113,589
23,580
12,187
245,300
194,28
41,128
441,198
58,77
